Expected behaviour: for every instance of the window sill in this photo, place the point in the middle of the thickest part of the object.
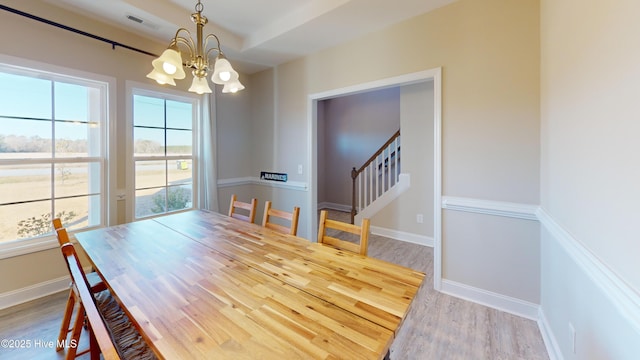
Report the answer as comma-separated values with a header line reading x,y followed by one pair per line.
x,y
15,248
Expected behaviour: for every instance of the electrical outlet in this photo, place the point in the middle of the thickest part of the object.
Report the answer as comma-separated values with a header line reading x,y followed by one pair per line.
x,y
419,218
300,169
572,333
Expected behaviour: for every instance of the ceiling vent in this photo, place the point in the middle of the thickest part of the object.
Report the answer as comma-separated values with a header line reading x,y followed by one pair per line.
x,y
135,19
141,21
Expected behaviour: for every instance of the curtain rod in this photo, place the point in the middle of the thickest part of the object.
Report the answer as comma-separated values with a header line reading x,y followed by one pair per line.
x,y
74,30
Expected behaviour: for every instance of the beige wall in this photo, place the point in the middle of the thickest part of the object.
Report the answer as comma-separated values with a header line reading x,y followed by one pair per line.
x,y
417,126
590,87
263,124
235,134
590,176
489,53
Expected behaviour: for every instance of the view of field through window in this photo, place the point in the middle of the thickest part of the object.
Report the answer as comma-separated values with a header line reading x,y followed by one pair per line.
x,y
163,155
51,153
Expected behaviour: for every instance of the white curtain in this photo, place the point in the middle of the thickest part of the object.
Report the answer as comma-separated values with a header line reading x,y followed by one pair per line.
x,y
208,173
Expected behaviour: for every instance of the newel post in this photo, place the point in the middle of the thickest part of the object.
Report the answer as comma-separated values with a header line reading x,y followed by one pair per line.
x,y
354,175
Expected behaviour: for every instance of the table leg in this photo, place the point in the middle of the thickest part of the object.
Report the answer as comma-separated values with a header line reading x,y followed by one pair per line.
x,y
388,356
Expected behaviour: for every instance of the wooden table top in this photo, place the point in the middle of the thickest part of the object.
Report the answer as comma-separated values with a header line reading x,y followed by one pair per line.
x,y
202,285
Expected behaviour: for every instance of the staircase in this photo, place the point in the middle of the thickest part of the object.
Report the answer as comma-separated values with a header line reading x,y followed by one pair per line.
x,y
378,181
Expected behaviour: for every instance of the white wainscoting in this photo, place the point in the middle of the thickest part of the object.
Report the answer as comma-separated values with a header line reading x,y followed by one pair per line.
x,y
604,310
626,300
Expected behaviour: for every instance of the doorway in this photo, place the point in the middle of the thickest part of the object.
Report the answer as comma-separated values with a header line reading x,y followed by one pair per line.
x,y
408,79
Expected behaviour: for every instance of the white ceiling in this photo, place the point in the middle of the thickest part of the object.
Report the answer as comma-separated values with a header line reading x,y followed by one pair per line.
x,y
256,34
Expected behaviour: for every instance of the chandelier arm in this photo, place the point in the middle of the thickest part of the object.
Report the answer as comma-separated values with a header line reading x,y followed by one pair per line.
x,y
188,41
206,43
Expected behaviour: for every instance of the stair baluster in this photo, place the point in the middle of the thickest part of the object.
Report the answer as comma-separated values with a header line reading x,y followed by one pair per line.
x,y
385,160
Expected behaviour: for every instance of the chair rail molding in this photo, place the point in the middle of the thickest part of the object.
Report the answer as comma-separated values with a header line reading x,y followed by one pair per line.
x,y
250,180
489,207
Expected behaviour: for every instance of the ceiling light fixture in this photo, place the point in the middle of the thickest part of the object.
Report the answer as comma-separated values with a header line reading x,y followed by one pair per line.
x,y
169,66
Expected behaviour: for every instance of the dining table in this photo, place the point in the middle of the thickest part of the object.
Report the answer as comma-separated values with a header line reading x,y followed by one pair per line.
x,y
202,285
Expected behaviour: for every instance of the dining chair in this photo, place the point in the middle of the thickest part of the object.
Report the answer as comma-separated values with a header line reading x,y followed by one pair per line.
x,y
111,333
291,217
248,208
95,284
328,230
100,340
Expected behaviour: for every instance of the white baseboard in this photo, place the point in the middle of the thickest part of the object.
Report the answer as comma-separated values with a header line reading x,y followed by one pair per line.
x,y
334,206
19,296
553,349
497,301
403,236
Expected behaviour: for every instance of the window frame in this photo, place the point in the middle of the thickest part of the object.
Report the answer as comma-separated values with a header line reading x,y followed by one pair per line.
x,y
106,86
136,88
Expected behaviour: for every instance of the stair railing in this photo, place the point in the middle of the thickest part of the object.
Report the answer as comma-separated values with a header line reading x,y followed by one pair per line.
x,y
376,176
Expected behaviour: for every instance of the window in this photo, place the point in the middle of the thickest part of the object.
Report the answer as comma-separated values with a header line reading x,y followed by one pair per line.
x,y
52,152
163,153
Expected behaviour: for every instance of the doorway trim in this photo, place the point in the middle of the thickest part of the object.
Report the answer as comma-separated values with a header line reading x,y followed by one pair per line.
x,y
434,75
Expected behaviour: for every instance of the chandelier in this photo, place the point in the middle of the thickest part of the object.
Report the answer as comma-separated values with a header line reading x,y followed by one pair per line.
x,y
169,66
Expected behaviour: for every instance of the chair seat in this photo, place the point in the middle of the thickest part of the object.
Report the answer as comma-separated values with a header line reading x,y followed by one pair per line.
x,y
127,339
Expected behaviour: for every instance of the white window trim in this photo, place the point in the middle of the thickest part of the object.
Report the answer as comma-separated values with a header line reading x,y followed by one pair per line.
x,y
137,88
20,247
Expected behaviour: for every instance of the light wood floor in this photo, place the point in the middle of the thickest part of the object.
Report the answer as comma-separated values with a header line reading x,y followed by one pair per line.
x,y
439,326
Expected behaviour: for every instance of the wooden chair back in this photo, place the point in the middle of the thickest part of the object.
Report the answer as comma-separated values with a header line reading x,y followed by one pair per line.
x,y
96,285
361,231
100,340
249,209
57,224
61,232
292,217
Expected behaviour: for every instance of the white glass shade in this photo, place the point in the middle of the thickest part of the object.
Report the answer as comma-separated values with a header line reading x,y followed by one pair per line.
x,y
200,86
232,87
161,78
169,61
222,71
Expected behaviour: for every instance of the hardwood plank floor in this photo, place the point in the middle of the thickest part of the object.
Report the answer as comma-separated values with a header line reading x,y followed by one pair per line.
x,y
445,327
439,326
